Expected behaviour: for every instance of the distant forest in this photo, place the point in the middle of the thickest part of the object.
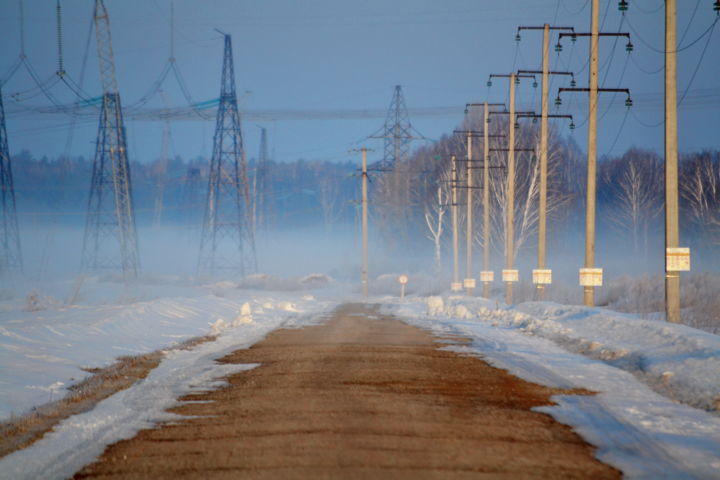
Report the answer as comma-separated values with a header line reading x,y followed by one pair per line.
x,y
410,200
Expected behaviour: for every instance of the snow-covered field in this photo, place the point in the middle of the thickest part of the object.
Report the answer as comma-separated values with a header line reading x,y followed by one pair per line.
x,y
656,414
642,370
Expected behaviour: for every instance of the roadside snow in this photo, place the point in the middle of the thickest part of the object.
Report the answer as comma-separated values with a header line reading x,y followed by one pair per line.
x,y
629,361
41,352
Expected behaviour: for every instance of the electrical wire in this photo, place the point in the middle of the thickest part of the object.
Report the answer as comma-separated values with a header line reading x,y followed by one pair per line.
x,y
678,50
697,67
637,5
571,12
620,131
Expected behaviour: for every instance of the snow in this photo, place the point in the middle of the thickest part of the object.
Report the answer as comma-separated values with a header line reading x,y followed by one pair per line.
x,y
42,352
641,369
655,414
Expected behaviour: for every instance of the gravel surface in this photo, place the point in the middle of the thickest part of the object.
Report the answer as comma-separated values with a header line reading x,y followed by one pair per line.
x,y
361,396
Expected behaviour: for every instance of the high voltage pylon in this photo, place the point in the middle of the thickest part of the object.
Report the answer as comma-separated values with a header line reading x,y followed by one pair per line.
x,y
262,185
394,192
397,131
10,253
191,193
227,242
110,241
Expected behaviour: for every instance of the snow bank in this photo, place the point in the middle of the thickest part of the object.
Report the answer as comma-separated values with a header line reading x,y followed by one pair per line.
x,y
45,349
94,335
636,366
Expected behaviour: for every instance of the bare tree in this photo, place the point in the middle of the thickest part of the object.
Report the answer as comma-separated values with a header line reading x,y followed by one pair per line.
x,y
434,219
633,183
700,191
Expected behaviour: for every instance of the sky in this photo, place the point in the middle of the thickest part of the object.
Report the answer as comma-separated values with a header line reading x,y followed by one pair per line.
x,y
320,56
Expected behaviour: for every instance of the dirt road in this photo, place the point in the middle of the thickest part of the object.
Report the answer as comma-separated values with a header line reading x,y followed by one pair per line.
x,y
361,396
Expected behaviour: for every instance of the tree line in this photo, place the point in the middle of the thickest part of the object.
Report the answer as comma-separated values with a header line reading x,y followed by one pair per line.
x,y
414,198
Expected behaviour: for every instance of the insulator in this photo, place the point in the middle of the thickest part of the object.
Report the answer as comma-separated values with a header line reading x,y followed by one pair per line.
x,y
517,125
488,120
573,38
573,83
535,84
623,6
558,101
716,7
558,47
629,47
572,125
489,83
517,37
517,80
628,102
534,119
466,110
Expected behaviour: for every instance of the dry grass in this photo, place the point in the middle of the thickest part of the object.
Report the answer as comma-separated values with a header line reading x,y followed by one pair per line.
x,y
22,431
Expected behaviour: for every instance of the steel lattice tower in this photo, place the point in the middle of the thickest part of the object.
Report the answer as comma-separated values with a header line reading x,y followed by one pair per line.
x,y
397,131
263,184
110,237
227,242
10,253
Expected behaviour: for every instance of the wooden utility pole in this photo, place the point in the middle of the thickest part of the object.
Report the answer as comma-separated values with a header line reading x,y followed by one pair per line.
x,y
541,275
469,281
590,277
672,230
510,195
455,285
542,220
589,290
486,274
364,272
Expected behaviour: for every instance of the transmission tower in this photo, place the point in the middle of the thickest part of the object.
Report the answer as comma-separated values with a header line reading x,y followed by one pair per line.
x,y
227,242
397,131
191,193
10,256
394,190
263,184
110,241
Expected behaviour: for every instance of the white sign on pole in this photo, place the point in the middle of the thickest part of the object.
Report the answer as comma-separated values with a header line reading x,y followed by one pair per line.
x,y
510,275
591,277
542,276
487,276
677,259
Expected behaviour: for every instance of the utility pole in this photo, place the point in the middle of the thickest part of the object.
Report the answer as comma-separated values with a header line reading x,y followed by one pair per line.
x,y
590,276
672,228
469,281
364,272
364,189
541,275
487,276
510,274
455,285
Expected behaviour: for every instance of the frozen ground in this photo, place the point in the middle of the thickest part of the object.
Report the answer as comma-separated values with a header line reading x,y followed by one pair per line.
x,y
655,416
49,334
42,352
637,366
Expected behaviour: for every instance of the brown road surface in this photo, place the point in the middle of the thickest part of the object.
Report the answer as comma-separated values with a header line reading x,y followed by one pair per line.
x,y
361,396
